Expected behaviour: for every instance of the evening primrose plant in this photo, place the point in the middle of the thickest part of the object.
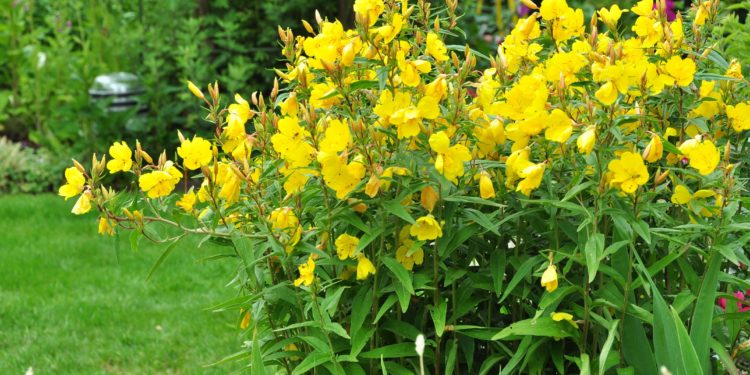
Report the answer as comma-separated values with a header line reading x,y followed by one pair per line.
x,y
576,206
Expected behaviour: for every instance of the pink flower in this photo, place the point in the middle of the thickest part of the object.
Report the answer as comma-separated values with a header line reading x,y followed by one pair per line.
x,y
740,296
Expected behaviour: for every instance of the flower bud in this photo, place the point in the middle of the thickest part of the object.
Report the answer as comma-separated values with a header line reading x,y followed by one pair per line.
x,y
308,27
428,198
195,90
530,4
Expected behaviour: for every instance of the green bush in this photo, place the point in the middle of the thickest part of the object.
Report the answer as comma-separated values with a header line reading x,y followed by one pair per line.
x,y
27,170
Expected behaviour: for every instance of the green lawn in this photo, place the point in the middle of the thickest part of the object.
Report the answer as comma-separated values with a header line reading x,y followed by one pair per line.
x,y
68,305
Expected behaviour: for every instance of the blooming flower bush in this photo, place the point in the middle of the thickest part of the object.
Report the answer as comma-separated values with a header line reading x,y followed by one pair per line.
x,y
577,206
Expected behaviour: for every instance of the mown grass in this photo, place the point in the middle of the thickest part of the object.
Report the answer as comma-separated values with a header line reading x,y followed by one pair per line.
x,y
69,305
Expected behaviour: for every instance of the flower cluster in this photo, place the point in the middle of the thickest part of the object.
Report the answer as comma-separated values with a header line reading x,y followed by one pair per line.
x,y
386,153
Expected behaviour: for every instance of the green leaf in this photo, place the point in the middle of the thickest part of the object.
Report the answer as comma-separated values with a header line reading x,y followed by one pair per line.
x,y
402,350
257,365
636,347
522,271
395,208
162,257
725,358
361,305
402,274
364,84
593,250
360,338
641,227
336,328
438,314
474,200
577,189
687,349
703,314
542,326
607,346
135,238
497,267
482,219
369,237
311,361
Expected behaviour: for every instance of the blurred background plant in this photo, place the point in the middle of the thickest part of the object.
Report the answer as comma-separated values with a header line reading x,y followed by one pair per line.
x,y
52,51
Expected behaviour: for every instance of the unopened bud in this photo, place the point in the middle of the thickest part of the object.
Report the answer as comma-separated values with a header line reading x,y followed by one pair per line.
x,y
308,27
180,136
318,18
727,152
195,90
79,166
530,4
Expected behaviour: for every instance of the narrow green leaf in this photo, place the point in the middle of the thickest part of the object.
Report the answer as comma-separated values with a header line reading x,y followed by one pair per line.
x,y
725,358
402,274
257,362
402,350
361,305
593,250
438,314
523,271
607,346
311,361
542,326
163,257
395,208
703,314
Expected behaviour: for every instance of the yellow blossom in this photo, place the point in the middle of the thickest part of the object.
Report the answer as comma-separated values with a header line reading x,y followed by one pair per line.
x,y
160,183
552,9
339,175
562,316
703,154
682,70
195,153
734,70
105,227
306,272
337,136
549,278
365,268
75,182
239,113
450,159
532,177
346,245
586,141
654,149
121,157
561,127
436,48
286,222
739,116
369,10
612,15
83,204
291,142
486,190
426,228
628,172
187,201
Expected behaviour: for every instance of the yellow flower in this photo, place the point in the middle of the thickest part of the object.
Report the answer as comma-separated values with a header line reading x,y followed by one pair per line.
x,y
611,16
160,183
552,9
428,197
291,143
681,195
306,272
701,13
682,70
408,120
436,48
560,316
410,70
586,141
486,189
654,149
195,153
239,113
703,155
450,159
607,93
121,154
187,201
286,222
734,70
368,10
83,204
643,7
105,227
339,175
561,127
628,172
532,177
365,268
549,278
325,90
402,253
391,31
346,245
337,136
739,116
649,30
75,183
245,320
426,228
